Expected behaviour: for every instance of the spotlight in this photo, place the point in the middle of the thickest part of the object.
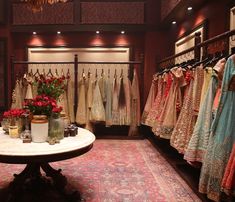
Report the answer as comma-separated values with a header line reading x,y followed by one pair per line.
x,y
190,8
174,22
58,32
97,32
122,32
34,33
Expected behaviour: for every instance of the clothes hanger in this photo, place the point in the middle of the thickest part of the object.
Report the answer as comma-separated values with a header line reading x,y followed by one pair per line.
x,y
108,73
121,75
115,73
37,73
89,73
49,73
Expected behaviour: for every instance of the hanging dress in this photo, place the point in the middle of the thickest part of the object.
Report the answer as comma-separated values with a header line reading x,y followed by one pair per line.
x,y
16,97
156,105
228,182
115,112
199,141
102,86
89,98
97,107
29,92
108,107
70,98
222,137
122,103
127,88
135,105
157,122
207,78
150,100
168,117
185,120
81,107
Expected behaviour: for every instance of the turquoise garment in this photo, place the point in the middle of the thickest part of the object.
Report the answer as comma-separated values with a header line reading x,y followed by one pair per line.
x,y
221,139
199,141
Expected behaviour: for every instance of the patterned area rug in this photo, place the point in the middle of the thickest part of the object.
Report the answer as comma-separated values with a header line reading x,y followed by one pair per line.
x,y
119,171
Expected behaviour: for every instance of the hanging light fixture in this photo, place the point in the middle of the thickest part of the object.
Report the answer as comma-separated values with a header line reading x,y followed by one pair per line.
x,y
36,5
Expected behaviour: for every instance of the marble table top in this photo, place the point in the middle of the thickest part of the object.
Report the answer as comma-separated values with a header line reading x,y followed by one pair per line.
x,y
14,147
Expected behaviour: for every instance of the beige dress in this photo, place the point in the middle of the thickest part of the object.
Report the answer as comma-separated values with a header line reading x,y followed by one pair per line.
x,y
97,108
135,105
16,97
29,92
70,98
169,115
115,112
81,115
150,100
89,98
183,130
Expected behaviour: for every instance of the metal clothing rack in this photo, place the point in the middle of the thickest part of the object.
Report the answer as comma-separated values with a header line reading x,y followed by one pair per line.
x,y
210,46
75,63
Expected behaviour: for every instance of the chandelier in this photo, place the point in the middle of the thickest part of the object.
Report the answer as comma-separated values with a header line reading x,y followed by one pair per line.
x,y
37,5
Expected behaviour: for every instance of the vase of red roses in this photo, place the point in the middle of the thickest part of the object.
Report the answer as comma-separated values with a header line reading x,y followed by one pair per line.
x,y
41,107
12,122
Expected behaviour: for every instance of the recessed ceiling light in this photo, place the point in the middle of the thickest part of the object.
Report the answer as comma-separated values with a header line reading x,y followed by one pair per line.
x,y
122,32
59,32
97,32
173,22
34,33
190,8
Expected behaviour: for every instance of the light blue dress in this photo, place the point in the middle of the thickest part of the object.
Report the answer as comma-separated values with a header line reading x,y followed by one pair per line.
x,y
221,139
199,141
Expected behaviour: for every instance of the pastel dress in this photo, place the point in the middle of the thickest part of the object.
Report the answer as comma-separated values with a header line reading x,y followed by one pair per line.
x,y
228,182
89,98
185,119
155,108
222,137
150,100
81,107
16,97
115,112
168,117
135,105
127,90
108,107
135,100
70,97
97,107
206,81
199,141
29,92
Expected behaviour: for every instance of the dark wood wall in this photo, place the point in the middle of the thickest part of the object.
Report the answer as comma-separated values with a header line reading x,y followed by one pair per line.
x,y
153,40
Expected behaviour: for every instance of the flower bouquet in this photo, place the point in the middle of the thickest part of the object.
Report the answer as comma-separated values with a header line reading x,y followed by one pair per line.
x,y
41,105
53,86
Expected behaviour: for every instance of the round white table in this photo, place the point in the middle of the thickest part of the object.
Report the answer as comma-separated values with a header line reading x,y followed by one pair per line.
x,y
38,155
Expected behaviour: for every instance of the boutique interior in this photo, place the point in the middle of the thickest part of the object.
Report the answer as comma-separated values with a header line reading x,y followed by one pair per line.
x,y
136,97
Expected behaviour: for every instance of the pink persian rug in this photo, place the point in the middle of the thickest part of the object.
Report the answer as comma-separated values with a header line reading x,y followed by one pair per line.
x,y
119,171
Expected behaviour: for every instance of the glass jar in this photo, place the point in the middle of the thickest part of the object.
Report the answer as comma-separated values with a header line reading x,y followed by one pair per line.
x,y
56,127
13,128
5,124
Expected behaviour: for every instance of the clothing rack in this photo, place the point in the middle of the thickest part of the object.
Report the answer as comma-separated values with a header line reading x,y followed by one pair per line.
x,y
223,38
75,64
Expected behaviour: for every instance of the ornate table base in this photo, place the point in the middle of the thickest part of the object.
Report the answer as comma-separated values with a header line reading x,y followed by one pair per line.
x,y
31,179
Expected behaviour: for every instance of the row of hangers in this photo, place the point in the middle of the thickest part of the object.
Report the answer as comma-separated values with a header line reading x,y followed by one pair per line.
x,y
209,60
102,73
49,73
